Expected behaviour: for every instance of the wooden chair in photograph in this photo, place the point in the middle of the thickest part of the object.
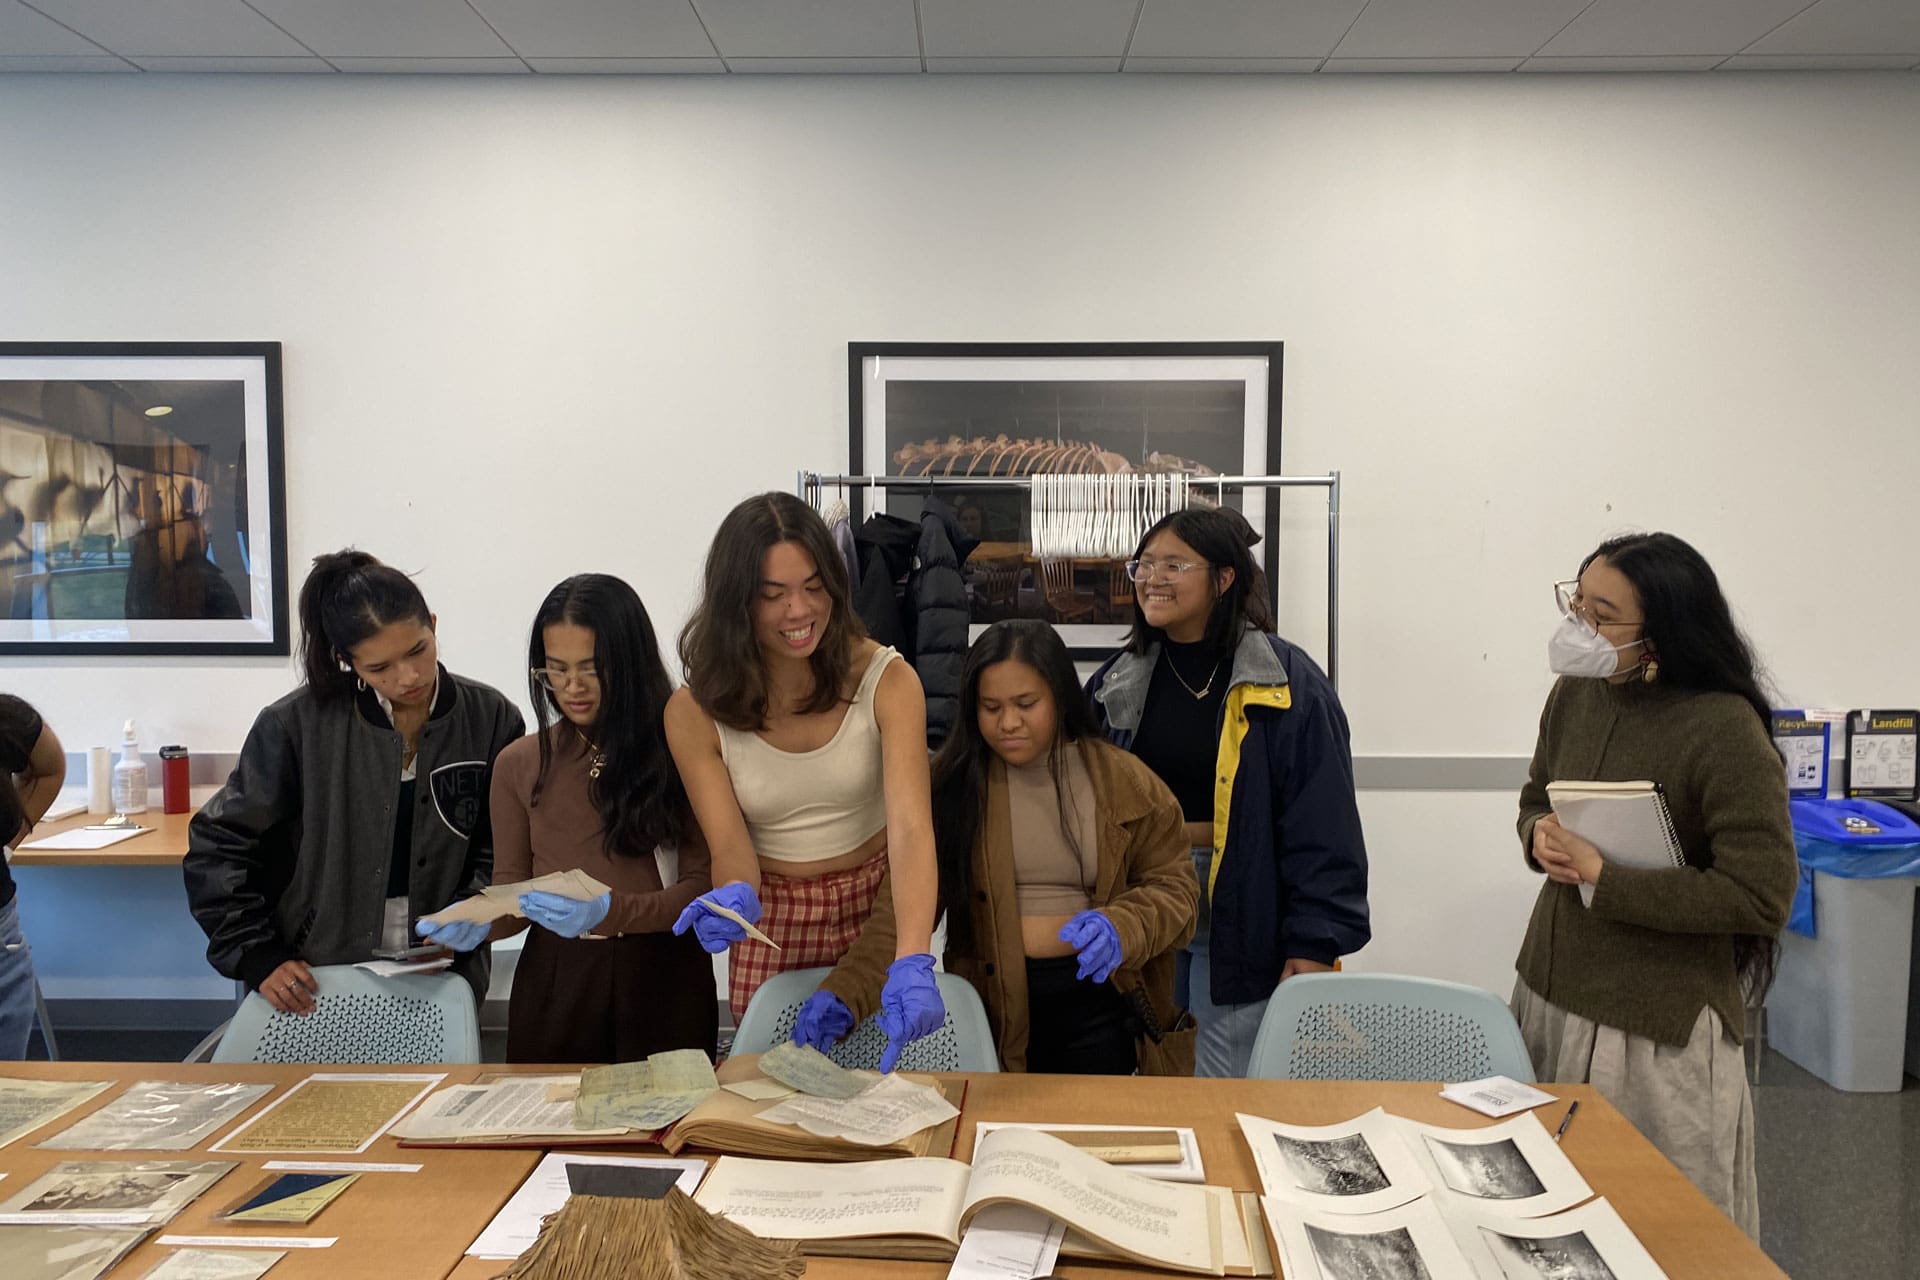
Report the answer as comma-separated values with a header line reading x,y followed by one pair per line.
x,y
997,581
1068,602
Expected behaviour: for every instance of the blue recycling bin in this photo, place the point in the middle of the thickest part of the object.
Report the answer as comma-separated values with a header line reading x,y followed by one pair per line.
x,y
1839,1001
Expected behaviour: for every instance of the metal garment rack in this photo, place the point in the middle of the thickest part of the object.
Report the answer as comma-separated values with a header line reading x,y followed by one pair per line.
x,y
812,485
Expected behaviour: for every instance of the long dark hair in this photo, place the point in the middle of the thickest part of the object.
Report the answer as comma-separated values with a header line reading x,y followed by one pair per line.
x,y
724,666
347,597
1225,540
638,793
1689,630
960,768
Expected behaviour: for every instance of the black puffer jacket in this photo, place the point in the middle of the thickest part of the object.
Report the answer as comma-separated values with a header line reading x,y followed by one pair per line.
x,y
937,594
885,544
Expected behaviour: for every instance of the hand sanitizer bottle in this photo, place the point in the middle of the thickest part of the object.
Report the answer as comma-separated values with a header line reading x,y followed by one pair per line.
x,y
130,776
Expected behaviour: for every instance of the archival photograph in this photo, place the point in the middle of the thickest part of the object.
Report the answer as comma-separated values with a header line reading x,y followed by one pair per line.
x,y
1568,1257
1343,1166
1384,1255
1487,1171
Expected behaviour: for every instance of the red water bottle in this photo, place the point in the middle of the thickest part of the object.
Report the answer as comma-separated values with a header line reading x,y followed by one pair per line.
x,y
173,780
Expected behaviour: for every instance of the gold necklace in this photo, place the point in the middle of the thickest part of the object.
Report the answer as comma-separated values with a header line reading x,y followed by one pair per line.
x,y
1204,689
599,760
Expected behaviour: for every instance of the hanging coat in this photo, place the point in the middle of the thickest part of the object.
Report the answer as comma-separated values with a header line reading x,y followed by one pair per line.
x,y
885,545
937,592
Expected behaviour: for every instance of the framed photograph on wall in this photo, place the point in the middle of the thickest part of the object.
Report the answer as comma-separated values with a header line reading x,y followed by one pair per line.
x,y
1197,409
142,499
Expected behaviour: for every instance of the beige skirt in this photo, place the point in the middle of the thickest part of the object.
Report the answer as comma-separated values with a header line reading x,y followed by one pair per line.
x,y
1692,1103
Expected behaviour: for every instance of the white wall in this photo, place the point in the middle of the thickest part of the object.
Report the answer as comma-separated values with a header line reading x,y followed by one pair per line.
x,y
540,325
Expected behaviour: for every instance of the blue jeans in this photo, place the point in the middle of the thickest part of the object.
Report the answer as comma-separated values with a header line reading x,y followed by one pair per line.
x,y
17,1009
1224,1045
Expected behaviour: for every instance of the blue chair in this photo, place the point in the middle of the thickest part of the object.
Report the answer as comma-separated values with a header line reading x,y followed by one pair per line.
x,y
360,1017
964,1041
1381,1026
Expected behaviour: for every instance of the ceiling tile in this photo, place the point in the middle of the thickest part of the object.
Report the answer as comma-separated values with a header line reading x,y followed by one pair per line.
x,y
1817,62
1676,62
826,66
598,28
1847,26
1241,28
626,66
25,33
1615,27
1229,66
272,65
385,29
1024,29
1023,66
66,62
176,28
817,29
1455,28
1420,64
432,66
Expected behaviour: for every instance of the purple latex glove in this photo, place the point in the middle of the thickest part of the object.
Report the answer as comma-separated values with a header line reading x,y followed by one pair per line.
x,y
823,1020
568,917
715,932
1093,936
910,1005
455,935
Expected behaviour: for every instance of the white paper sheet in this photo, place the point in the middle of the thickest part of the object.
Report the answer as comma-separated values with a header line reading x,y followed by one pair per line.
x,y
1496,1096
251,1242
394,968
84,838
338,1166
1588,1242
1361,1165
214,1264
1514,1168
1411,1240
500,1109
546,1190
1007,1242
882,1113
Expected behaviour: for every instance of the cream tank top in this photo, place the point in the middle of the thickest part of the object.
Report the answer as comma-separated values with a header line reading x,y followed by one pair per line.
x,y
810,806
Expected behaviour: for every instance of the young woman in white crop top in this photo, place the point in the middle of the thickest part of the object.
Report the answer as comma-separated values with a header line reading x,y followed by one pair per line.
x,y
803,748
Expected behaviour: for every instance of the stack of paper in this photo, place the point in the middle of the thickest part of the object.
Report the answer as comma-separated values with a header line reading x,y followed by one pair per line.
x,y
1383,1195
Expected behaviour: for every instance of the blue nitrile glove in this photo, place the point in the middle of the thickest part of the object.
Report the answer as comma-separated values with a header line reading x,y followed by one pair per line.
x,y
455,935
717,933
910,1005
822,1022
568,917
1093,936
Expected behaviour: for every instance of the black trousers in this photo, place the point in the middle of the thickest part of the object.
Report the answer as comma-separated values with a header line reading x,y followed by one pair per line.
x,y
610,999
1076,1028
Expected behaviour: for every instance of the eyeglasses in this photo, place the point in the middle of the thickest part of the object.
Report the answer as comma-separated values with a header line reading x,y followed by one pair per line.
x,y
1567,596
1142,570
556,680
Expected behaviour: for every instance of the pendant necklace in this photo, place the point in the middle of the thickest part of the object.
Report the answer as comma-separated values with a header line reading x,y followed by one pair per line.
x,y
599,757
1204,689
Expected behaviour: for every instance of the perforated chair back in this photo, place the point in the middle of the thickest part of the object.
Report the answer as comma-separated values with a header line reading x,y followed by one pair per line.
x,y
964,1041
360,1017
1379,1026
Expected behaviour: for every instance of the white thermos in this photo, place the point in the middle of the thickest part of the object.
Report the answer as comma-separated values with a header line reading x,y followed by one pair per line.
x,y
99,780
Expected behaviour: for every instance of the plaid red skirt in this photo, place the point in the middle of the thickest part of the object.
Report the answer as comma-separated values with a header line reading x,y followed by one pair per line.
x,y
814,920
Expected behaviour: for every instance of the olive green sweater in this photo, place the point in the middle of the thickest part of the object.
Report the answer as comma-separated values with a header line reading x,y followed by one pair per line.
x,y
1657,944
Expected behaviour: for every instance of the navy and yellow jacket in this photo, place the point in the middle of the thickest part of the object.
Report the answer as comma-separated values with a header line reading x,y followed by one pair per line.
x,y
1289,879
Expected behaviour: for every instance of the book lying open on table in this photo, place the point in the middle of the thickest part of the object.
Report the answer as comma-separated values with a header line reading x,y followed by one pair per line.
x,y
919,1208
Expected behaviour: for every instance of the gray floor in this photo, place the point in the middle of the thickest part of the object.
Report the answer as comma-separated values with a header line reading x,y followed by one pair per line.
x,y
1839,1172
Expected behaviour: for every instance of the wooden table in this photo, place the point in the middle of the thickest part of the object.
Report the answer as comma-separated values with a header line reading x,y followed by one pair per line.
x,y
162,844
415,1226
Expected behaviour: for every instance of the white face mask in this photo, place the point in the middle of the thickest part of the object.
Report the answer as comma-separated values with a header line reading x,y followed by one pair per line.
x,y
1576,649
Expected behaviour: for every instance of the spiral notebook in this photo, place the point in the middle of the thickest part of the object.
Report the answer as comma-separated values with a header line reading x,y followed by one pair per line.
x,y
1627,821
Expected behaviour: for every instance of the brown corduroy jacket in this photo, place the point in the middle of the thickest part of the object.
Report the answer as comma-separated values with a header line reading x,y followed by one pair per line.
x,y
1144,883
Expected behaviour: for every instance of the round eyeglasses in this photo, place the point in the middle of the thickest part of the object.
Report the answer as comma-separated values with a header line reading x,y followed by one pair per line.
x,y
1567,596
1142,570
556,680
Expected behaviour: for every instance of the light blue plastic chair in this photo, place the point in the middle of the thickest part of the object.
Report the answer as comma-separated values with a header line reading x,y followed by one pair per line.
x,y
1382,1026
360,1017
964,1041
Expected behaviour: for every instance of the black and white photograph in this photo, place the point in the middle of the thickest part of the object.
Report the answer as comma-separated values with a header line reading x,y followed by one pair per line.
x,y
1568,1257
1344,1166
159,1188
1383,1255
141,499
1117,415
1486,1171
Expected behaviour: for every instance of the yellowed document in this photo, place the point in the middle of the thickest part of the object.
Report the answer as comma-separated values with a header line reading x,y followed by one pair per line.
x,y
25,1105
331,1111
759,1090
811,1071
505,1108
884,1112
644,1095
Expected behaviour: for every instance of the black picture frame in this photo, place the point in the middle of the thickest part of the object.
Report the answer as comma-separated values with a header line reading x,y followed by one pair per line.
x,y
990,386
142,499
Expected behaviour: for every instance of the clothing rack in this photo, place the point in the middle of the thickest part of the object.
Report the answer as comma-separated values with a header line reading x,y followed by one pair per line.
x,y
812,485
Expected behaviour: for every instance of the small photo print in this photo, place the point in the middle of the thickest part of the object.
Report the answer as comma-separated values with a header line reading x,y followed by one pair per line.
x,y
1383,1255
1335,1167
102,1189
1488,1171
1553,1258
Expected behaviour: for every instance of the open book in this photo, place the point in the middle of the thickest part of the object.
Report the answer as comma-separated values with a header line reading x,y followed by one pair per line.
x,y
1627,821
920,1208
